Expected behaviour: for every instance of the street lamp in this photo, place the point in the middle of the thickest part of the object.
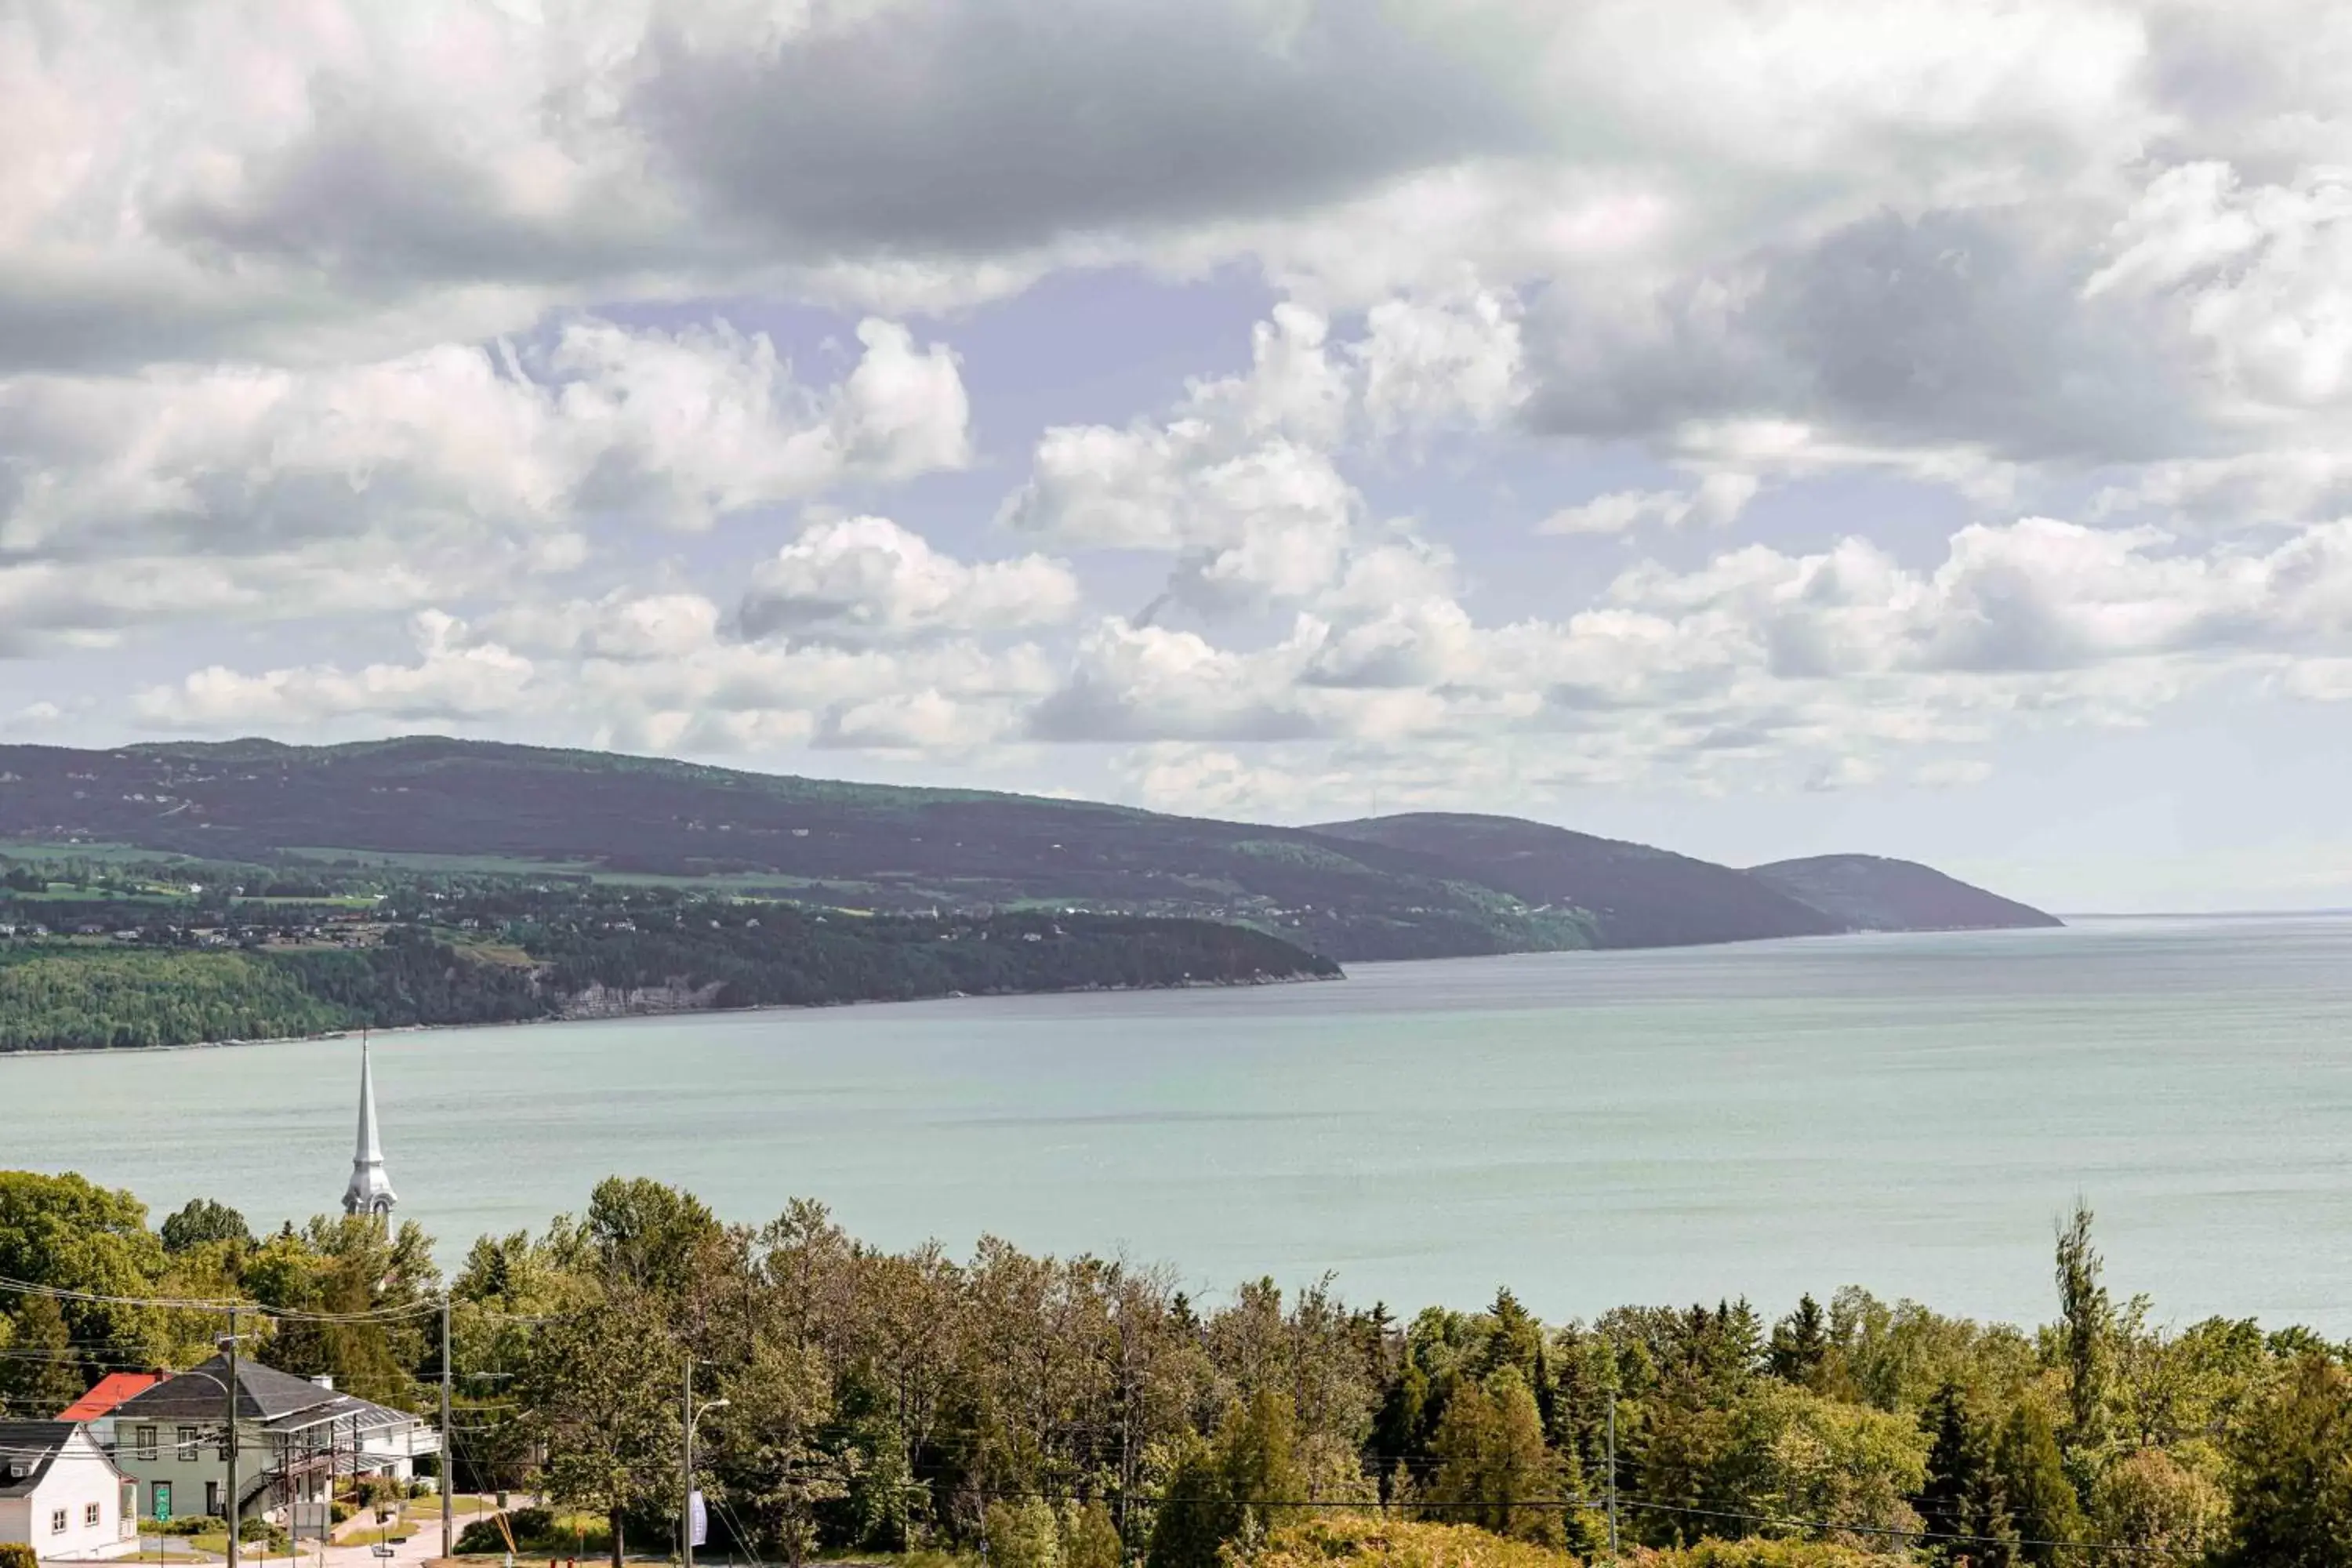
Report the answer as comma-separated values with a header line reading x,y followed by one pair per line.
x,y
686,1516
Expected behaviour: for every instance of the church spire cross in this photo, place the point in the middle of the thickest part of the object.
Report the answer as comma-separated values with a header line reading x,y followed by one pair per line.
x,y
370,1190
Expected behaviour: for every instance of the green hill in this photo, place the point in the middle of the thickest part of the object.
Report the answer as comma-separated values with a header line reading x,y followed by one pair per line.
x,y
1408,887
1870,892
1636,895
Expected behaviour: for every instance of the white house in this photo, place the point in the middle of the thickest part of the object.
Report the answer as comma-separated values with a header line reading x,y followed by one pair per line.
x,y
59,1493
295,1434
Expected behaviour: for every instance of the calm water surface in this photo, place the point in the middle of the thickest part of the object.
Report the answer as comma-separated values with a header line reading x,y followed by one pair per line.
x,y
1906,1113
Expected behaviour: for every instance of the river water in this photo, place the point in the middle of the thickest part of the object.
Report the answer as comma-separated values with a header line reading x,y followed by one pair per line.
x,y
1911,1113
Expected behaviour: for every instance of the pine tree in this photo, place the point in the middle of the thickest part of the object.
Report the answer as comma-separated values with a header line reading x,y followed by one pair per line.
x,y
2034,1486
1219,1490
1801,1342
1089,1537
2291,1486
1493,1469
1400,1429
1963,1495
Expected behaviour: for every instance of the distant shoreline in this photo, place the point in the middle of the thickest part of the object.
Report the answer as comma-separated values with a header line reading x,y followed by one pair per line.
x,y
607,1015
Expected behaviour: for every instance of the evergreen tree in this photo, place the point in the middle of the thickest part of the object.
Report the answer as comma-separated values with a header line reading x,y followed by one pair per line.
x,y
1963,1494
1514,1339
1801,1342
1400,1430
2034,1485
1493,1468
2291,1490
1090,1538
1218,1492
1196,1517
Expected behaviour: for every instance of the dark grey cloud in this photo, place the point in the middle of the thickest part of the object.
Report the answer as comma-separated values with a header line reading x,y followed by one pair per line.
x,y
984,125
1937,328
387,201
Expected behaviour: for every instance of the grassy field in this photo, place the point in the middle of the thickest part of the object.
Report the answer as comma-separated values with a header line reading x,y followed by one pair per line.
x,y
429,1507
777,882
107,854
57,894
455,865
324,901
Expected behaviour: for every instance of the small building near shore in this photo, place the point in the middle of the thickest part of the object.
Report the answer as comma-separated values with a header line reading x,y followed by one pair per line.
x,y
295,1436
60,1495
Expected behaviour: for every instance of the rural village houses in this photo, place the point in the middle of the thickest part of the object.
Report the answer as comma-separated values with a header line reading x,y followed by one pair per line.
x,y
295,1436
59,1493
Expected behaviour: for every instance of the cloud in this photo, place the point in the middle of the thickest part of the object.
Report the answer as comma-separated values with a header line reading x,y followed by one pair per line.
x,y
394,482
1207,781
1817,670
864,579
655,671
1240,483
871,126
219,184
1431,362
340,316
1128,682
449,683
1719,499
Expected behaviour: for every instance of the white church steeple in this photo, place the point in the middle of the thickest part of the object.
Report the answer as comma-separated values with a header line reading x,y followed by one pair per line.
x,y
370,1190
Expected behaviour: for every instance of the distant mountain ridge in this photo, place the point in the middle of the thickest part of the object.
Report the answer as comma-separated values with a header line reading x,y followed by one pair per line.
x,y
1640,896
1870,892
1416,885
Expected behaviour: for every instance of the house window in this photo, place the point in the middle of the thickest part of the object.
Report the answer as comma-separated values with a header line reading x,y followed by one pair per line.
x,y
146,1442
90,1515
186,1453
58,1521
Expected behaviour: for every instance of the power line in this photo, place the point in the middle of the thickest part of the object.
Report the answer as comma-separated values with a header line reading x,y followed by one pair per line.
x,y
202,1304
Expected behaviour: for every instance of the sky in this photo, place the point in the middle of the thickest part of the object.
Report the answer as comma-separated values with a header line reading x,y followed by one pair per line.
x,y
1760,428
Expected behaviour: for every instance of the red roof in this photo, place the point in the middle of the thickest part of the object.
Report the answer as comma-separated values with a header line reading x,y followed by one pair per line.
x,y
111,1389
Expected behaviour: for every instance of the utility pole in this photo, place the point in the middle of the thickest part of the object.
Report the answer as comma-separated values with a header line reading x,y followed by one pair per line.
x,y
686,1509
449,1443
1612,1475
228,1441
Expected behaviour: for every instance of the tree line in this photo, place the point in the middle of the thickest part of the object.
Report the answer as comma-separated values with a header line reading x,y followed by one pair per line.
x,y
551,954
1085,1412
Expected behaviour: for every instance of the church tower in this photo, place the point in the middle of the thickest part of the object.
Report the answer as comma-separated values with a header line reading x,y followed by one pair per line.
x,y
370,1190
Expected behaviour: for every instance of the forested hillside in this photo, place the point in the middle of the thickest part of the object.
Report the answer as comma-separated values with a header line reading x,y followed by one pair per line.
x,y
1412,886
1085,1413
1869,892
201,968
1637,896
